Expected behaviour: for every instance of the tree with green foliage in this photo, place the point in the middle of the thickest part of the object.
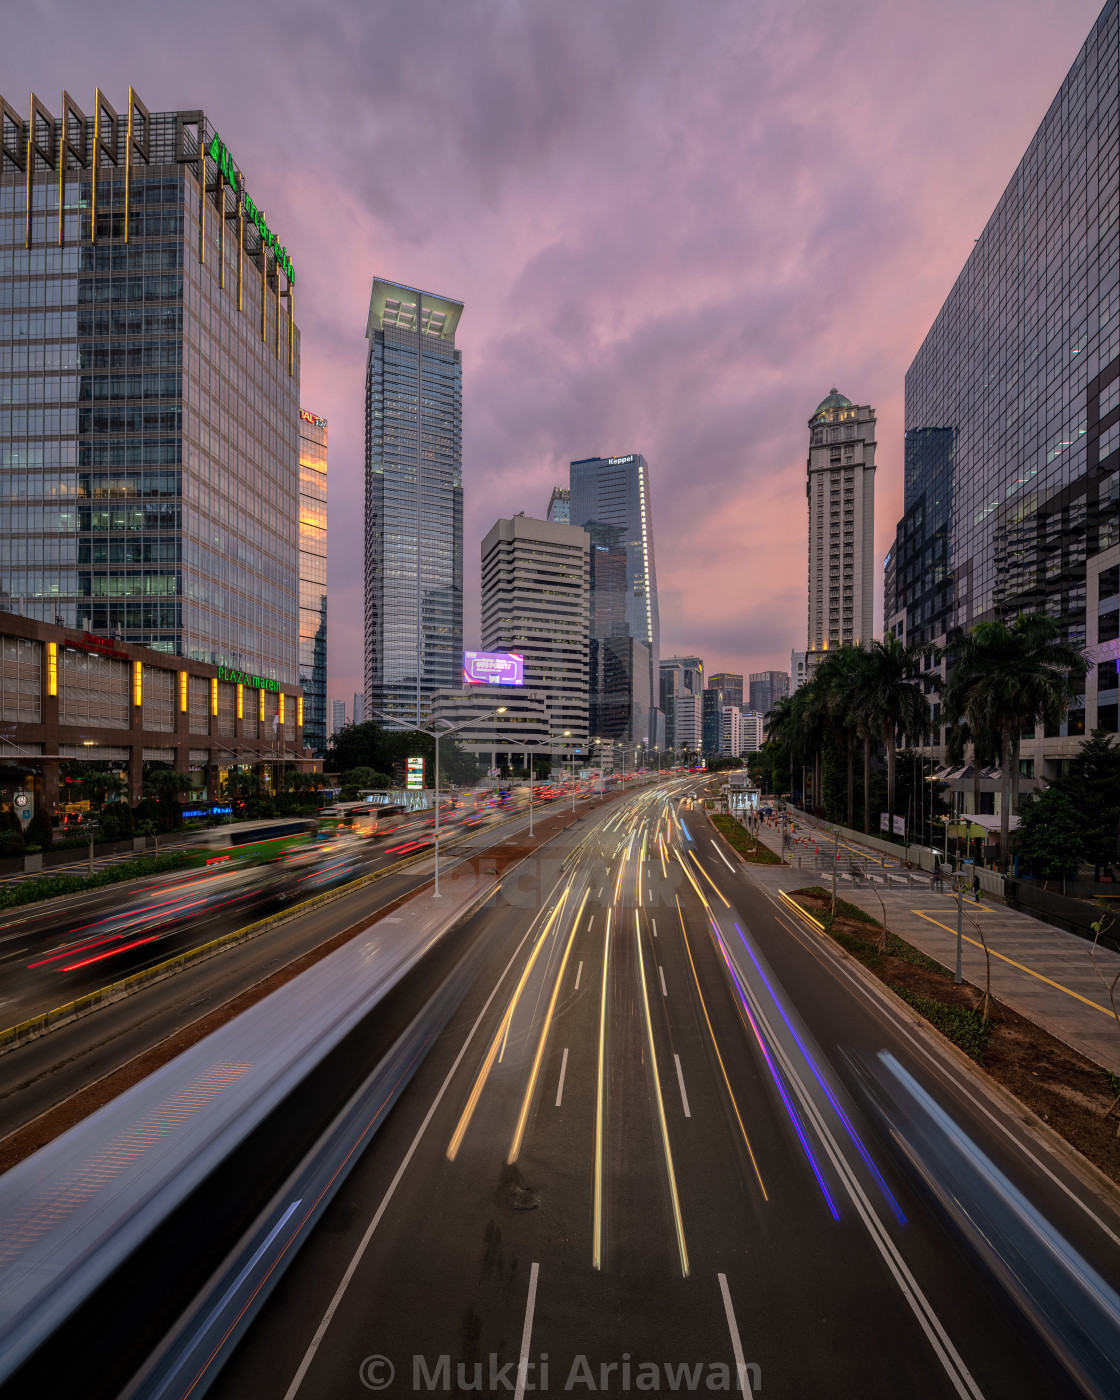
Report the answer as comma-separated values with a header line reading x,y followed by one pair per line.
x,y
1004,679
893,701
368,779
1093,788
1049,840
369,745
39,829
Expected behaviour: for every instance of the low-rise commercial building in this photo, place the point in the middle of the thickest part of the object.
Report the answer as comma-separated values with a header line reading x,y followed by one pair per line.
x,y
69,696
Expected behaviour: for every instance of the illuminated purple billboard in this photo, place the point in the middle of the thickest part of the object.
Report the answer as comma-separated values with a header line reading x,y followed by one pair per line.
x,y
493,668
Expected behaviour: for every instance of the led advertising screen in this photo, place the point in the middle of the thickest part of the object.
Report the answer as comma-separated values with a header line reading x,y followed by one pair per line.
x,y
493,668
414,778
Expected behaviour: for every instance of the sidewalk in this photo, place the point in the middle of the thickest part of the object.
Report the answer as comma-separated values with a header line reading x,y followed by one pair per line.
x,y
1041,972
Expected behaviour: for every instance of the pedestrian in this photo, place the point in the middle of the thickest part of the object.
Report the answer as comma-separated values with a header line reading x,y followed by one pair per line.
x,y
976,888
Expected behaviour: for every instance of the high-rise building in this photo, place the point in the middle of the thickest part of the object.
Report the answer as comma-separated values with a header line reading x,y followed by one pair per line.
x,y
1012,462
358,709
681,693
840,489
729,731
313,578
767,688
731,685
752,731
560,506
610,499
414,500
535,603
711,720
149,388
797,670
338,717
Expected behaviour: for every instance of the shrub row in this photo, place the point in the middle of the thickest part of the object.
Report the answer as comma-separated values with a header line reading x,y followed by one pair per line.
x,y
51,886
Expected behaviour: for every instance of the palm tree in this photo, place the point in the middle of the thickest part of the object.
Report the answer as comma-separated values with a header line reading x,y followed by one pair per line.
x,y
894,700
103,786
1004,679
780,732
166,782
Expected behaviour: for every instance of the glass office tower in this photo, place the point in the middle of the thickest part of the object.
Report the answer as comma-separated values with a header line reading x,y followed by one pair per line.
x,y
610,499
1011,484
414,501
313,578
149,388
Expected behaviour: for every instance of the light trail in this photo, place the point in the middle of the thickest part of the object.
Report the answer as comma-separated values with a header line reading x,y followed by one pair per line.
x,y
708,878
677,1220
499,1037
526,1103
597,1211
719,1057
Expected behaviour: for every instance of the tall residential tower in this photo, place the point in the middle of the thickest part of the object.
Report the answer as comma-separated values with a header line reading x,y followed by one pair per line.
x,y
840,489
414,500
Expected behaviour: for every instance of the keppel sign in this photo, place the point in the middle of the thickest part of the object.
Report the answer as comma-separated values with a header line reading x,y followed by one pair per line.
x,y
243,678
221,157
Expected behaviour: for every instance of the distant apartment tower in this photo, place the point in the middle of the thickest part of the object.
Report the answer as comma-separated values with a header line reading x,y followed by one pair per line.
x,y
560,506
752,731
313,578
358,711
535,585
682,687
840,488
729,732
338,717
730,684
610,499
414,500
797,670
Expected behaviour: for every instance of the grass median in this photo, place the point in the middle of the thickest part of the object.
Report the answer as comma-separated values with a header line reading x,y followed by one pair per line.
x,y
51,886
1067,1090
737,836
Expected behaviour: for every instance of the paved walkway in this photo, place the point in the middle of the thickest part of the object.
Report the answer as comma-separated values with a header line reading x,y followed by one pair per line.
x,y
1042,972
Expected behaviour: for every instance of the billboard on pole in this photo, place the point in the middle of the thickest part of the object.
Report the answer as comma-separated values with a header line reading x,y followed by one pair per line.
x,y
493,668
414,774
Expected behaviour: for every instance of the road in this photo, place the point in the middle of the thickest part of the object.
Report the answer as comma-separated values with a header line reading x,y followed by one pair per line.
x,y
649,1141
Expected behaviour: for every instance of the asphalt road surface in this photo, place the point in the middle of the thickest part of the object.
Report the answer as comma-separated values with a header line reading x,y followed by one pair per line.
x,y
672,1142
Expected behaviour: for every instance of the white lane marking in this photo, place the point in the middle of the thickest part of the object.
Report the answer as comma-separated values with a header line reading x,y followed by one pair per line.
x,y
363,1245
591,923
957,1085
563,1072
736,1344
600,894
527,1335
680,1081
654,923
579,974
664,989
723,858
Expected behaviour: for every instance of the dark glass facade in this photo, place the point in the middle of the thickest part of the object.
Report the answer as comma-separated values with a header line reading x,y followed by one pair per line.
x,y
1012,401
149,389
610,499
313,577
414,501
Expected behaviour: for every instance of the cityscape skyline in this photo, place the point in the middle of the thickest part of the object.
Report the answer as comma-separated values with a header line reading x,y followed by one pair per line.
x,y
518,437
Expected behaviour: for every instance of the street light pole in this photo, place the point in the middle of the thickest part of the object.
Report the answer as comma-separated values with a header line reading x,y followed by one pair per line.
x,y
434,734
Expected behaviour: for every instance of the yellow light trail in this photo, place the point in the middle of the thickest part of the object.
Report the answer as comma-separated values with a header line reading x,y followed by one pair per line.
x,y
691,879
719,1057
641,862
708,878
499,1038
678,1222
597,1232
661,845
523,1116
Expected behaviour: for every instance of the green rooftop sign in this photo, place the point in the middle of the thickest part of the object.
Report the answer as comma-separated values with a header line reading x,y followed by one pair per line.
x,y
244,678
221,157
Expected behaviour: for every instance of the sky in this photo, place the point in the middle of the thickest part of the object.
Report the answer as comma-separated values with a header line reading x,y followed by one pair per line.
x,y
675,225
